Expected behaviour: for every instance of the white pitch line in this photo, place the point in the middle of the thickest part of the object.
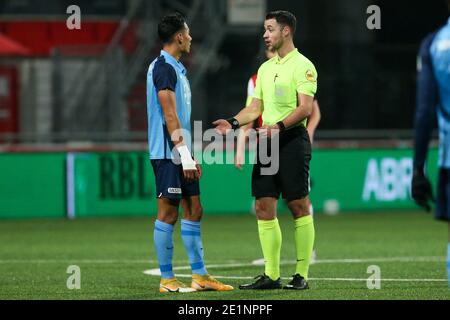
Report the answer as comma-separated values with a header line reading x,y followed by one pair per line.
x,y
228,263
367,260
93,261
156,271
393,259
381,279
153,272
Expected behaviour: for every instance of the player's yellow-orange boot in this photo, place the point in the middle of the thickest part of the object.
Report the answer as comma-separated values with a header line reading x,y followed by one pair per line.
x,y
206,282
173,285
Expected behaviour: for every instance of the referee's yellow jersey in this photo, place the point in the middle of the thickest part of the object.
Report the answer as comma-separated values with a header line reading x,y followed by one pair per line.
x,y
279,81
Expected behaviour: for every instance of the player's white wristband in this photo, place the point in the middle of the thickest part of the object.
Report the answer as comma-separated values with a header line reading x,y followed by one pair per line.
x,y
186,159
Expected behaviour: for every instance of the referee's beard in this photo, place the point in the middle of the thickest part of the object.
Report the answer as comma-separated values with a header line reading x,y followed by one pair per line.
x,y
275,46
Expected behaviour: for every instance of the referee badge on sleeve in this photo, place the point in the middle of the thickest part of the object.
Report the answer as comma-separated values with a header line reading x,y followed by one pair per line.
x,y
310,76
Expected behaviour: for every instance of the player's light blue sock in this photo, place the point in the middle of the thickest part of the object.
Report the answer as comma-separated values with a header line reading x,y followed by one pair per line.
x,y
448,263
162,237
190,233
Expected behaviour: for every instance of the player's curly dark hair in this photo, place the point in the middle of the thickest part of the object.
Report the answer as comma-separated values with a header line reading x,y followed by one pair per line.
x,y
169,26
284,18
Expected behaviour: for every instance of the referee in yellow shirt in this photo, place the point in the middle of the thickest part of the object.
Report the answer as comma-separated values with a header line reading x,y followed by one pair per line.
x,y
284,94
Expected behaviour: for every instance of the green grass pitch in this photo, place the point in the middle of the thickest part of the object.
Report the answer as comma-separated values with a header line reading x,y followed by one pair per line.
x,y
408,247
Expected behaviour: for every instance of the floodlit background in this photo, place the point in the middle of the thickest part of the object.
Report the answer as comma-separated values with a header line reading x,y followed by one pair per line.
x,y
73,142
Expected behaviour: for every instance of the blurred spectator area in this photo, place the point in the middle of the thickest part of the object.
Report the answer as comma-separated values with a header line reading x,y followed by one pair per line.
x,y
60,85
64,79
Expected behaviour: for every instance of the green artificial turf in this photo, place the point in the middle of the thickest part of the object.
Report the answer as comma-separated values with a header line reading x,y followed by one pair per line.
x,y
112,254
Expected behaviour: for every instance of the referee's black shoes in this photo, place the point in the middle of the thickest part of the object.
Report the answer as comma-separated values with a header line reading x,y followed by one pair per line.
x,y
297,283
262,282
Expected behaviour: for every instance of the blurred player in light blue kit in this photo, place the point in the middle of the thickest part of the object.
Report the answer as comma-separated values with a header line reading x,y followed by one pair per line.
x,y
433,97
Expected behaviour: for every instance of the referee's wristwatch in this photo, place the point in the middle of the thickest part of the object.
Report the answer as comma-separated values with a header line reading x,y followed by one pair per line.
x,y
234,123
281,125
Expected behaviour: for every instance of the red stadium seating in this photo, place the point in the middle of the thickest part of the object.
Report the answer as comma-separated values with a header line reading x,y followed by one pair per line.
x,y
34,36
41,36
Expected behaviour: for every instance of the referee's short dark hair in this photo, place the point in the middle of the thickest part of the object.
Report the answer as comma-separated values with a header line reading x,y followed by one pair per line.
x,y
169,26
284,18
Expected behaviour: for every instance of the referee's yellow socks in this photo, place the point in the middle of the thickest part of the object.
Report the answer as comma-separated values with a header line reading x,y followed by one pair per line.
x,y
270,238
304,243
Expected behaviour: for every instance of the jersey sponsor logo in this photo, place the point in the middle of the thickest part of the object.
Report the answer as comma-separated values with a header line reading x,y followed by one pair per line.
x,y
310,76
174,190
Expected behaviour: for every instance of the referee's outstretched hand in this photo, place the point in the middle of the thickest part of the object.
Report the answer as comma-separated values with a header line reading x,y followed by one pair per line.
x,y
222,126
421,190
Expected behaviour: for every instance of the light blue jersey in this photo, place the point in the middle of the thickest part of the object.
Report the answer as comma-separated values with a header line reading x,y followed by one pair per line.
x,y
440,58
165,72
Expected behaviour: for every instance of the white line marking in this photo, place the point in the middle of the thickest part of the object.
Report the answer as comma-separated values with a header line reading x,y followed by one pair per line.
x,y
392,259
93,261
156,271
382,279
228,263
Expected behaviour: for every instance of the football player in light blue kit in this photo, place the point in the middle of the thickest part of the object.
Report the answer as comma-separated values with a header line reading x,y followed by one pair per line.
x,y
169,136
433,97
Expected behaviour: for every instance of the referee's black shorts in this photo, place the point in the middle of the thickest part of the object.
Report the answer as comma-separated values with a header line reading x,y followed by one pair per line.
x,y
291,180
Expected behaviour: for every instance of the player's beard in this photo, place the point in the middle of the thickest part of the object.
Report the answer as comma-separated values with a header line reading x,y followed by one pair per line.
x,y
275,45
187,48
